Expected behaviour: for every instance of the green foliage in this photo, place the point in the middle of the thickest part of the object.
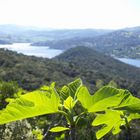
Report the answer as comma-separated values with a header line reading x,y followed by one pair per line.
x,y
104,98
112,108
58,129
31,104
84,97
97,69
94,68
69,103
99,83
19,130
113,84
70,89
8,90
38,134
62,137
111,121
129,103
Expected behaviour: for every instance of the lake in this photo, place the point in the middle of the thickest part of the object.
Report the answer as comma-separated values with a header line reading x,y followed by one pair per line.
x,y
134,62
39,51
46,52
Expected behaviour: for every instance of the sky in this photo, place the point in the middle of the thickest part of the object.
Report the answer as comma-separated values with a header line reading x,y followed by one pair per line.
x,y
101,14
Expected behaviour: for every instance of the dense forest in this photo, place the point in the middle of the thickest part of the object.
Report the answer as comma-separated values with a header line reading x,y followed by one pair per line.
x,y
93,67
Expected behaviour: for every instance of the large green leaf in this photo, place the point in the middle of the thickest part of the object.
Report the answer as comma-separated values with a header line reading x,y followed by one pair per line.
x,y
31,104
130,103
69,103
70,89
58,129
110,121
114,102
133,116
84,97
106,97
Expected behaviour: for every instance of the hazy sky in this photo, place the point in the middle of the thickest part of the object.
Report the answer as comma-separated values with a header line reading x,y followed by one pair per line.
x,y
71,13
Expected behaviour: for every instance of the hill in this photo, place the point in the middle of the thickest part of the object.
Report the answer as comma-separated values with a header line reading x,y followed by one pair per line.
x,y
93,67
30,72
120,43
17,33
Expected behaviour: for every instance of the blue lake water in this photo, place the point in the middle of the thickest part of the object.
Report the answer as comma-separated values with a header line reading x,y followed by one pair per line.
x,y
39,51
134,62
46,52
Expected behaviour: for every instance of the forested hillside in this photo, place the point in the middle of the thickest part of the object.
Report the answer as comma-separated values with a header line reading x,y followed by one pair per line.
x,y
29,72
94,65
94,68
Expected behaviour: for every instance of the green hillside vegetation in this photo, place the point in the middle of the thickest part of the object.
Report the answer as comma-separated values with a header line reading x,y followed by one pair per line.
x,y
93,65
94,68
29,72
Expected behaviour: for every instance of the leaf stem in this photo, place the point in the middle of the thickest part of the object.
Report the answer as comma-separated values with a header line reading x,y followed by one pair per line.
x,y
79,117
66,115
128,133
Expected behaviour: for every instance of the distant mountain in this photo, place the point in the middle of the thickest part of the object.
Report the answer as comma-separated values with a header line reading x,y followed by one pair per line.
x,y
64,39
62,34
137,28
14,29
120,43
18,33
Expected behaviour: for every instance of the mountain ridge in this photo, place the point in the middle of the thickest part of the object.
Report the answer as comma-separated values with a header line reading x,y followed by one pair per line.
x,y
119,43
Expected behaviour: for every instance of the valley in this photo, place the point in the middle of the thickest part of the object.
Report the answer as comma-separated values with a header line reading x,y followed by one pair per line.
x,y
123,43
69,70
31,72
